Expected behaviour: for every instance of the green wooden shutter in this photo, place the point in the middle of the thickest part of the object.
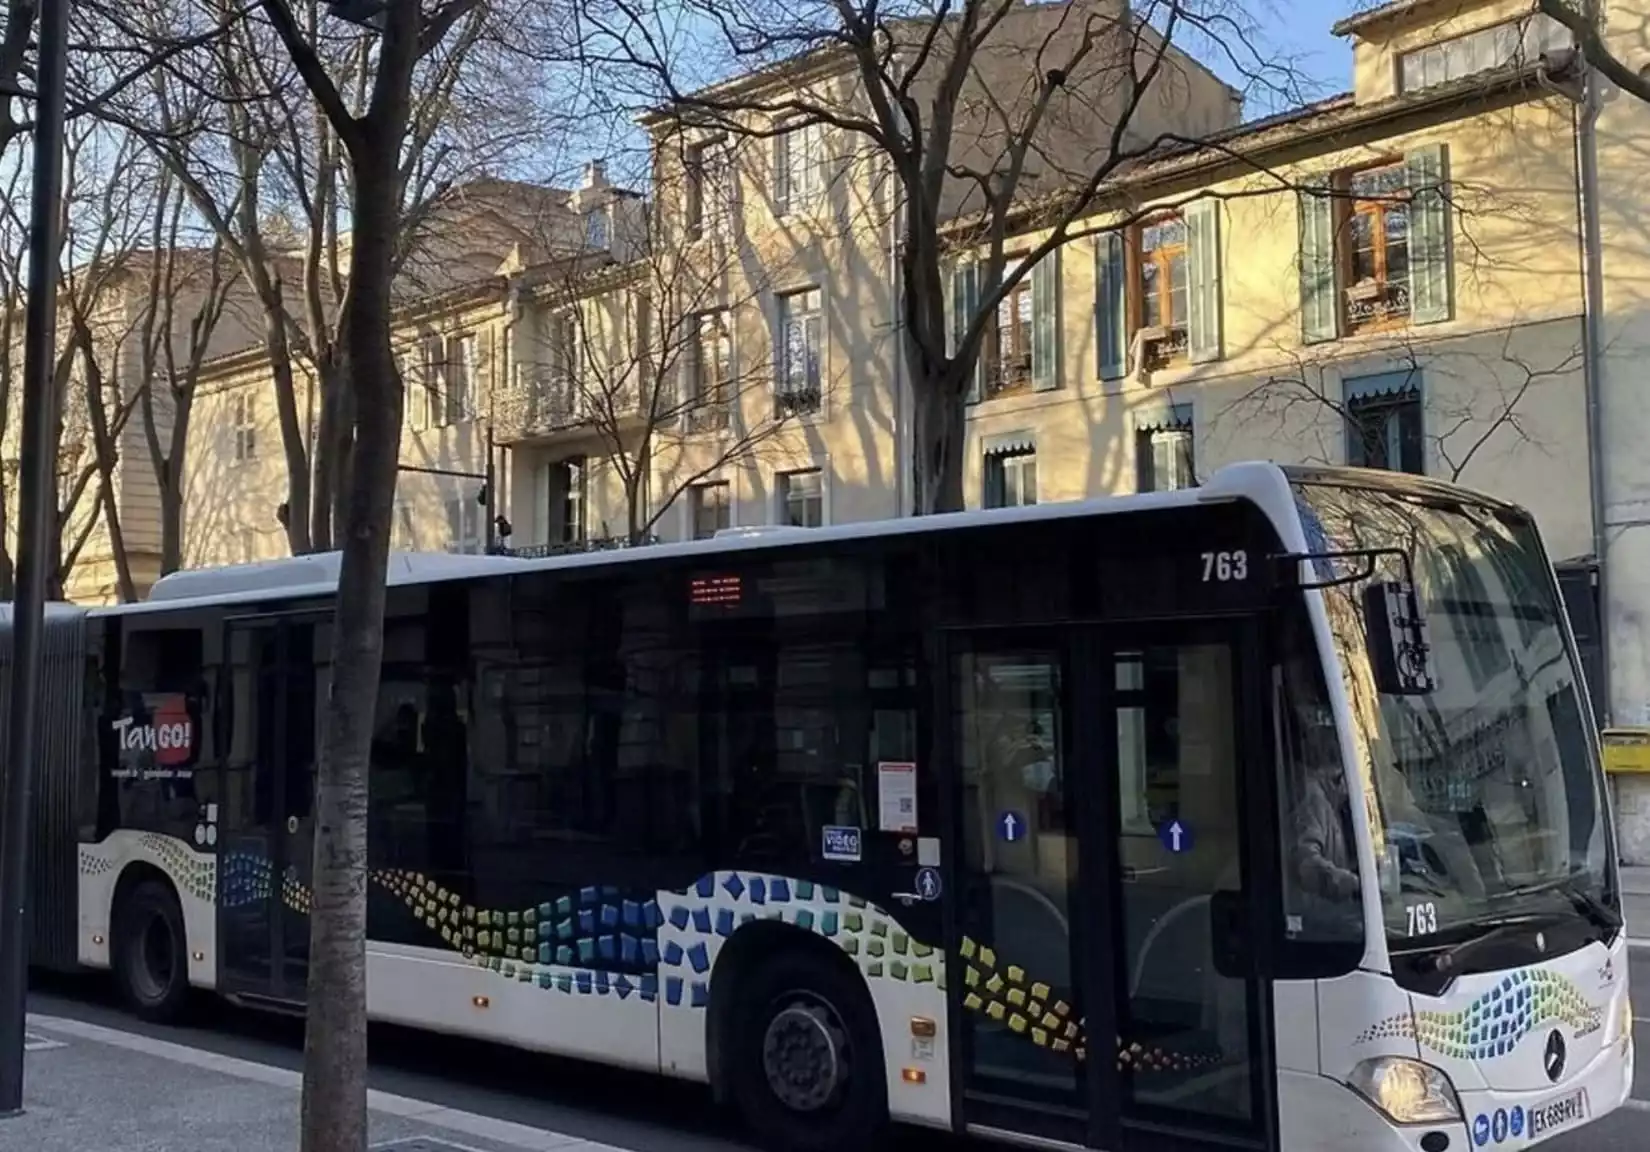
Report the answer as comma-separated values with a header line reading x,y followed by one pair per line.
x,y
1203,281
965,301
1109,327
1429,236
1320,307
1045,323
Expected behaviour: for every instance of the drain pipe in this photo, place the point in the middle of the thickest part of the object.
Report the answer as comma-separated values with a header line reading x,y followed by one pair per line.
x,y
1592,256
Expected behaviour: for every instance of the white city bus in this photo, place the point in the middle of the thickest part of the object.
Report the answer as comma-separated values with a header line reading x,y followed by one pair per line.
x,y
1263,815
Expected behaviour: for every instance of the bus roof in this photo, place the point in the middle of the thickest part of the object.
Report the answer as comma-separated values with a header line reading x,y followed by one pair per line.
x,y
317,575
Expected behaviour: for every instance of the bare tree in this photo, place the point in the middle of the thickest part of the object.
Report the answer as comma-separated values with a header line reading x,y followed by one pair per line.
x,y
170,360
374,141
641,354
265,168
107,187
974,109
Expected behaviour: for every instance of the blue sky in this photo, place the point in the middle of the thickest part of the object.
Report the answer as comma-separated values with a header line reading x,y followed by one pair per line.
x,y
1300,29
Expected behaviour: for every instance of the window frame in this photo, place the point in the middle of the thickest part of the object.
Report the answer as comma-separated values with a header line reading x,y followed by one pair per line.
x,y
243,421
1349,206
1173,346
711,403
783,496
809,400
466,532
1389,407
567,483
1524,26
695,506
998,382
1146,442
999,466
791,197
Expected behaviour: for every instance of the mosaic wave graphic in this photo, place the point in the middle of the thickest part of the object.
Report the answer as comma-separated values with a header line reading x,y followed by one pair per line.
x,y
1494,1023
665,947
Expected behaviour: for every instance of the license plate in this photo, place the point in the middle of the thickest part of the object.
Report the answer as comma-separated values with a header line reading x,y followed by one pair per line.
x,y
1560,1113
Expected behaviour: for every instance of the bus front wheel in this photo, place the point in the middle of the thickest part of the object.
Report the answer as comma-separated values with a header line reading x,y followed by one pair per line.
x,y
807,1070
151,953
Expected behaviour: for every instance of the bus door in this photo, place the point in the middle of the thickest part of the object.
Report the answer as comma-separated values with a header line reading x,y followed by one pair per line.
x,y
1105,865
265,833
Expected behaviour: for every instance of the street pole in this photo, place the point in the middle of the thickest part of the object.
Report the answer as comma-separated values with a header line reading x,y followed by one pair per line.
x,y
35,512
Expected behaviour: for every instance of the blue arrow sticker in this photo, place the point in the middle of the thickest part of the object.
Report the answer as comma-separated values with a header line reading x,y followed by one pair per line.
x,y
1011,826
1176,836
1481,1130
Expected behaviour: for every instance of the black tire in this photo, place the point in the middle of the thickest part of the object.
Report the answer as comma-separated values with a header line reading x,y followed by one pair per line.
x,y
151,953
837,1028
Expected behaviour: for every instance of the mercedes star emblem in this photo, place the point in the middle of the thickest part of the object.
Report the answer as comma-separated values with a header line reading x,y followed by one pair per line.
x,y
1553,1059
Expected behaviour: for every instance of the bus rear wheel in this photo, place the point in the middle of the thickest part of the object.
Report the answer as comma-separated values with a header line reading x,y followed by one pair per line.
x,y
807,1070
151,953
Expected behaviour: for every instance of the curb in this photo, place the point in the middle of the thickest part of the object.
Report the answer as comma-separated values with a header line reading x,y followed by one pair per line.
x,y
491,1128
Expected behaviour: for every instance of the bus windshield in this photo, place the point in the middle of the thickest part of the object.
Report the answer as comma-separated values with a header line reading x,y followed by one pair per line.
x,y
1484,795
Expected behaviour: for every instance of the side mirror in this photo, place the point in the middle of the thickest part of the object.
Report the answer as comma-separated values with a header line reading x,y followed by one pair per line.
x,y
1400,646
1229,939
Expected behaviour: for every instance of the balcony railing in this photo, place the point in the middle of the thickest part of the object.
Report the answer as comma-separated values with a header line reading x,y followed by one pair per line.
x,y
543,403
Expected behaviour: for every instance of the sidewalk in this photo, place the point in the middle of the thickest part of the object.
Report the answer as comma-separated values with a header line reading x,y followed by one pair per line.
x,y
1635,904
94,1089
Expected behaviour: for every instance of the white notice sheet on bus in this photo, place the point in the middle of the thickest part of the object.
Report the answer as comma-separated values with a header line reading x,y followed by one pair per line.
x,y
897,797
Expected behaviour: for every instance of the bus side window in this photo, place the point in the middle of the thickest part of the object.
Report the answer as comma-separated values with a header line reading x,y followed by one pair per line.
x,y
1322,906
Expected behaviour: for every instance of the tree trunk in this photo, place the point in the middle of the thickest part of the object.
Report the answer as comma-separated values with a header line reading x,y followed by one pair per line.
x,y
334,433
171,525
335,1040
292,436
937,443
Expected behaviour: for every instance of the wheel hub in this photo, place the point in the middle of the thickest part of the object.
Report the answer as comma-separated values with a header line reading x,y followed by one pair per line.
x,y
803,1055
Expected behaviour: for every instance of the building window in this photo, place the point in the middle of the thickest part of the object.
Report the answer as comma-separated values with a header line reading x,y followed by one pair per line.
x,y
801,337
693,199
1008,342
1520,42
1163,452
798,162
1162,289
1375,247
460,372
243,419
713,371
428,408
464,529
595,229
712,189
802,498
568,496
711,507
1011,474
1383,422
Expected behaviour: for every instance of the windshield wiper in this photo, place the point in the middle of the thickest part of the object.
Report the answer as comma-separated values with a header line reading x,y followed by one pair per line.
x,y
1590,906
1498,929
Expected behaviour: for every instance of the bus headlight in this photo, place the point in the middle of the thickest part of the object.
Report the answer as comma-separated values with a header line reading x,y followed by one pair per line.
x,y
1408,1091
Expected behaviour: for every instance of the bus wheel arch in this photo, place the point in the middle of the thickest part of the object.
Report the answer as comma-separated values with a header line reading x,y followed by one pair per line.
x,y
784,1002
149,944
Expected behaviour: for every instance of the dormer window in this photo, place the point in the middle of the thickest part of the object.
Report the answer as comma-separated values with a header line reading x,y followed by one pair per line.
x,y
1519,42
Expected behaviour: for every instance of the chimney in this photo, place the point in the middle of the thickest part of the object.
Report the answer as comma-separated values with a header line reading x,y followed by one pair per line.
x,y
595,175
